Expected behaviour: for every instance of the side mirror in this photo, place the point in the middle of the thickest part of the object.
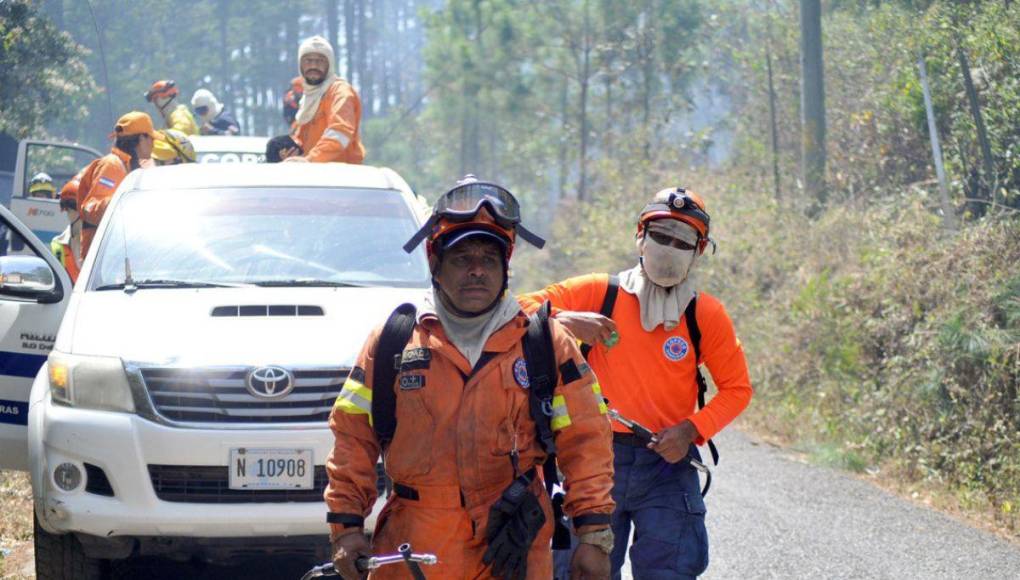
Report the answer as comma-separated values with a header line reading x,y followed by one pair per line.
x,y
28,277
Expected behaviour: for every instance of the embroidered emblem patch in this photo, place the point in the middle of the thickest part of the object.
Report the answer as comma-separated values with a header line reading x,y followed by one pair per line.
x,y
521,373
675,348
412,382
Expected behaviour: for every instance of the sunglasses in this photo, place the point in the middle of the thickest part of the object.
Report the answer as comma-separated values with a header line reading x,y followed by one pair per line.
x,y
664,240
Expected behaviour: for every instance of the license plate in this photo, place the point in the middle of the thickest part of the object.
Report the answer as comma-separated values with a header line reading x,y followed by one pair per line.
x,y
266,469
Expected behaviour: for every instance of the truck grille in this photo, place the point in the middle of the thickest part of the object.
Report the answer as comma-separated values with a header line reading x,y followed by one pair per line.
x,y
210,484
222,396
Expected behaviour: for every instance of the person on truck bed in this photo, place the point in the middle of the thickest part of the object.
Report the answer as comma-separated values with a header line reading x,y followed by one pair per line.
x,y
327,125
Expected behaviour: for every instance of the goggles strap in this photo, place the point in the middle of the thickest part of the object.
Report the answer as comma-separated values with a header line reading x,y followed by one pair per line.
x,y
530,237
421,234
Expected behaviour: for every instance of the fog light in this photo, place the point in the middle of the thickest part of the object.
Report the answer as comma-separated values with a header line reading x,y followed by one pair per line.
x,y
67,476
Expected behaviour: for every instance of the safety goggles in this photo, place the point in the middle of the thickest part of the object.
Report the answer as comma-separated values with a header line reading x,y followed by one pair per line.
x,y
462,204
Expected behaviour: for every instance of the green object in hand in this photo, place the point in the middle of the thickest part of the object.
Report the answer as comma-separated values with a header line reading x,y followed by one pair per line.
x,y
610,342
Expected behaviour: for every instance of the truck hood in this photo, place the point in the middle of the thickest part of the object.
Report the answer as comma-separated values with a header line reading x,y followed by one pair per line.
x,y
176,326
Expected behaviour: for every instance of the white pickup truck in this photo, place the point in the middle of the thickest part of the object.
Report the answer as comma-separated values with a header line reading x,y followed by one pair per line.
x,y
182,410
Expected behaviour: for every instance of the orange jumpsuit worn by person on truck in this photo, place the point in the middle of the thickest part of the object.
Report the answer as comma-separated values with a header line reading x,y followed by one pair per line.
x,y
100,179
327,124
651,376
464,430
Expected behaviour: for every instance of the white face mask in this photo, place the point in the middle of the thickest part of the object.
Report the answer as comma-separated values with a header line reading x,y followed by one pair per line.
x,y
667,266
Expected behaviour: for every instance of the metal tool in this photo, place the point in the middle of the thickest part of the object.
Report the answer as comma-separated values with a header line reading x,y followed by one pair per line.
x,y
367,563
638,429
647,435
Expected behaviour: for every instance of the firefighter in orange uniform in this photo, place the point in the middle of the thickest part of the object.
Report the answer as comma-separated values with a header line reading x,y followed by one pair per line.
x,y
464,434
67,245
327,124
132,149
665,330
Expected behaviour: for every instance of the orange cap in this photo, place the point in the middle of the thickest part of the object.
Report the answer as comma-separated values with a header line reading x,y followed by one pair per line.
x,y
135,123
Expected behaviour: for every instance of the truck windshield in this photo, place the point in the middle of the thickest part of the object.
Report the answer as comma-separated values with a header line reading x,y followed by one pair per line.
x,y
264,236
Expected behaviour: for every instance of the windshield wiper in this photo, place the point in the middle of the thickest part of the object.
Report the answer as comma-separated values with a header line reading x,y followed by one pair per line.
x,y
132,285
307,282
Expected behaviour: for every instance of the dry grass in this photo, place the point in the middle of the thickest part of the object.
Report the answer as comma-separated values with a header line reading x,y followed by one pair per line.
x,y
15,525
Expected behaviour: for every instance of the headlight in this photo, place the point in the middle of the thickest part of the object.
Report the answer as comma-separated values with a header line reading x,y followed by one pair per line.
x,y
93,382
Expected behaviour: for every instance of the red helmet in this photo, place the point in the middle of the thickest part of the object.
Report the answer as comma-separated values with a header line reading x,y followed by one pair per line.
x,y
162,90
679,204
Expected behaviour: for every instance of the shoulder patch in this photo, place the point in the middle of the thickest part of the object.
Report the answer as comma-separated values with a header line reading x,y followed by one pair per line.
x,y
570,372
521,373
357,374
106,182
414,359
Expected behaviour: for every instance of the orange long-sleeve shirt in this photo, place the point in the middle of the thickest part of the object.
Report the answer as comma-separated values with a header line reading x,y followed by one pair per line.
x,y
334,132
98,183
649,377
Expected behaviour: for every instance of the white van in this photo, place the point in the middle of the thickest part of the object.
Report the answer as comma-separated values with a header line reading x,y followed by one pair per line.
x,y
182,410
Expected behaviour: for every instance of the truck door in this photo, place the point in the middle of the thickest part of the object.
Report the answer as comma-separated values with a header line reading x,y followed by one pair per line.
x,y
61,161
34,290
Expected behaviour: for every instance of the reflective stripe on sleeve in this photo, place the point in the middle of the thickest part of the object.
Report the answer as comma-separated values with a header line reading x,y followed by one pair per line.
x,y
560,416
597,389
335,135
354,399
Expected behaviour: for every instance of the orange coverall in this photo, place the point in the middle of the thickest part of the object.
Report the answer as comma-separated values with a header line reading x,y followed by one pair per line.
x,y
98,183
456,427
333,134
644,382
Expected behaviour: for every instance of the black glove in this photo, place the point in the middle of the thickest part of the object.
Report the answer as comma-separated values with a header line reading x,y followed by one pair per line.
x,y
514,522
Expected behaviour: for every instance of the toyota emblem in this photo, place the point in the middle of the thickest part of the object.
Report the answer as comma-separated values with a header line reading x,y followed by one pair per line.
x,y
270,382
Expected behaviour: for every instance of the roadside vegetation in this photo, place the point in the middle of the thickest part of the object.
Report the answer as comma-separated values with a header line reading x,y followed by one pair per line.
x,y
879,341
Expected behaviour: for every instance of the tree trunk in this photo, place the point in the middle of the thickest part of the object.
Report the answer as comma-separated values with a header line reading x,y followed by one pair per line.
x,y
585,81
364,71
226,89
564,131
773,128
989,179
349,45
812,105
949,218
333,26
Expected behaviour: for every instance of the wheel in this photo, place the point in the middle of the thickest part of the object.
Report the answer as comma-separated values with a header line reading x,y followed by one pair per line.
x,y
61,557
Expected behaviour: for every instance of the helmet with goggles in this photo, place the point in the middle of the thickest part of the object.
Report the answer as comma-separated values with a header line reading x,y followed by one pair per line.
x,y
679,204
459,210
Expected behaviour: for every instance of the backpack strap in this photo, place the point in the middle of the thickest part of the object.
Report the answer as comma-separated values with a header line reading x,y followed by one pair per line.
x,y
395,334
692,327
608,302
540,361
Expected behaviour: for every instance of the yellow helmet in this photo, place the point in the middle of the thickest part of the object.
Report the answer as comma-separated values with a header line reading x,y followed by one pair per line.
x,y
174,148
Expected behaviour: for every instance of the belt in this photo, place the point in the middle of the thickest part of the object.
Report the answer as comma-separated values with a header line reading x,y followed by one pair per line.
x,y
628,439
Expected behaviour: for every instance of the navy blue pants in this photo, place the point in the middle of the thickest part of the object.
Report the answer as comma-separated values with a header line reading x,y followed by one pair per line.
x,y
662,501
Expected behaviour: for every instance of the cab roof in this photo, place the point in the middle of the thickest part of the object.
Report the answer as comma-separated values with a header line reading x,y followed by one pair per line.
x,y
222,175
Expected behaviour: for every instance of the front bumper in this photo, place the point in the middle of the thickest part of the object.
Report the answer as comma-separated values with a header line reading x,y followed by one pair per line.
x,y
123,446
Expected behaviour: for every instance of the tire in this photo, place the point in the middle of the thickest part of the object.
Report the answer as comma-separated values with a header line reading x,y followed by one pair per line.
x,y
61,557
